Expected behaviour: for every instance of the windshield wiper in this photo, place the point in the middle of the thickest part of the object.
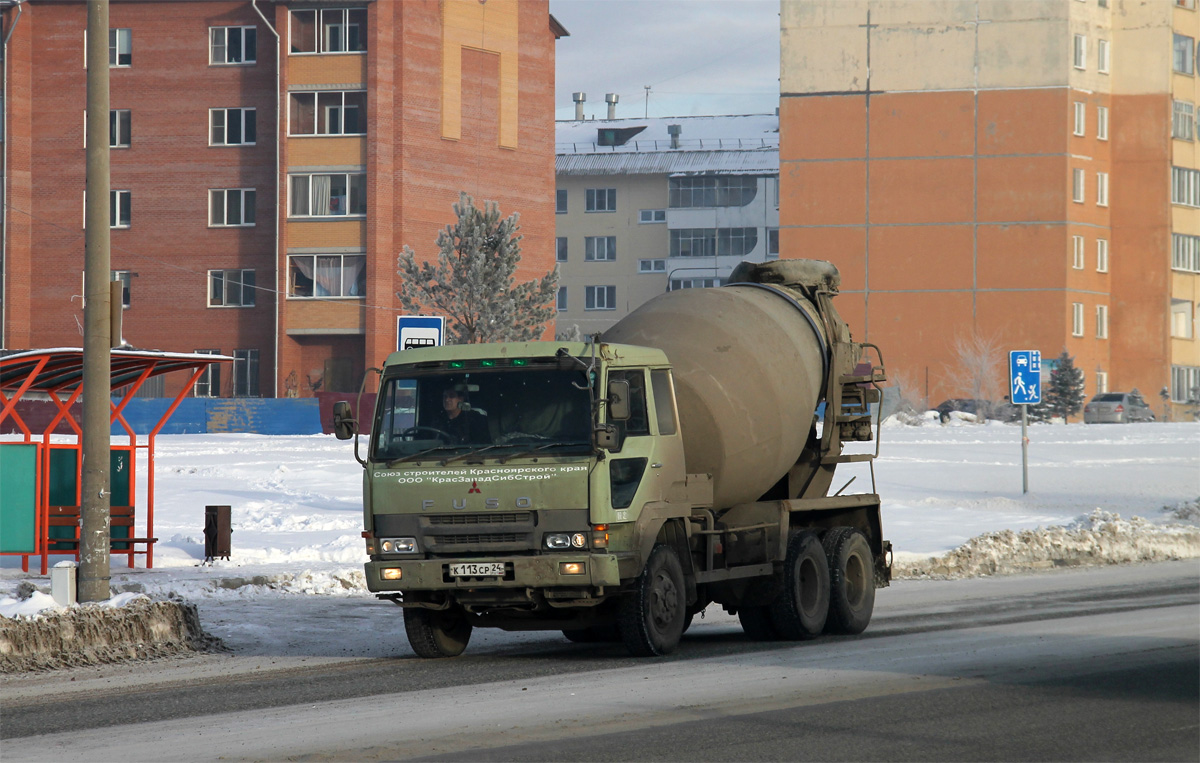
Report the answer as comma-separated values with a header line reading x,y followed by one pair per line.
x,y
540,448
418,454
470,453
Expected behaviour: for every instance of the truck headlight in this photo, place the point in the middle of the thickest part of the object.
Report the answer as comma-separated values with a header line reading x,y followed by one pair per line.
x,y
578,540
571,568
558,541
398,545
391,573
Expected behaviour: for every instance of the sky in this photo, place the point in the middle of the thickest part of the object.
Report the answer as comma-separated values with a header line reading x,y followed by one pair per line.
x,y
699,57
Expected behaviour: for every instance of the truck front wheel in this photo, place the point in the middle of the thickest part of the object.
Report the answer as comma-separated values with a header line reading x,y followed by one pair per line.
x,y
851,581
652,614
436,633
801,608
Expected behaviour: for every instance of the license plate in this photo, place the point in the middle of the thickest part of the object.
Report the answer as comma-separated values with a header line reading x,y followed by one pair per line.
x,y
478,570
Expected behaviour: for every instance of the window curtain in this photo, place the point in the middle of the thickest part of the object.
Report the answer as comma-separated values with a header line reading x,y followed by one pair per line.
x,y
355,276
320,195
328,281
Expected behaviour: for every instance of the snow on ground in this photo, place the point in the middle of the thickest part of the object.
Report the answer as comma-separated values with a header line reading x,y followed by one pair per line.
x,y
297,510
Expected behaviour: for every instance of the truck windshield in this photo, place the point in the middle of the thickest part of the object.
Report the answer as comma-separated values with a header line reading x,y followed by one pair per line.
x,y
503,410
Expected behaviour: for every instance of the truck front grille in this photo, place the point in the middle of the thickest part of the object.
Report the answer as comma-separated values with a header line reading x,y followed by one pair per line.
x,y
512,517
462,540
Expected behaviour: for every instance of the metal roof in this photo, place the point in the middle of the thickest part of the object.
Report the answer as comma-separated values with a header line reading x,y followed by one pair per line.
x,y
762,162
63,370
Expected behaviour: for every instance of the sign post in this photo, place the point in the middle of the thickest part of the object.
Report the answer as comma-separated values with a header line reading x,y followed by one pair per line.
x,y
413,331
1025,389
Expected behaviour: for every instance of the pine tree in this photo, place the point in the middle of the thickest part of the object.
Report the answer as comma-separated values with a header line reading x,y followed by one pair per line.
x,y
472,280
1064,397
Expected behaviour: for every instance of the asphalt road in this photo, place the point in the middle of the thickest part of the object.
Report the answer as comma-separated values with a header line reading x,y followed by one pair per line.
x,y
1094,665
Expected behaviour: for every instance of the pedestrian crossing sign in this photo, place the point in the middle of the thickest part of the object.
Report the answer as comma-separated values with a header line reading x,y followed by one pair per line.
x,y
1025,377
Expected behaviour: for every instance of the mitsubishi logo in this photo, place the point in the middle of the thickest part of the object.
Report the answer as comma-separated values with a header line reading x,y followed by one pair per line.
x,y
474,487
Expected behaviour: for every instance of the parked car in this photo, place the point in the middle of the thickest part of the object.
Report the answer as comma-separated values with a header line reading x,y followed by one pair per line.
x,y
999,411
1117,408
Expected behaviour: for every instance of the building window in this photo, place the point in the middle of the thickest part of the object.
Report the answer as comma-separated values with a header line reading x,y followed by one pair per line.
x,y
1101,255
209,382
711,191
120,209
1102,56
335,195
231,288
232,45
600,248
126,279
1076,319
695,283
560,249
1183,59
120,127
1185,252
230,207
1188,4
1078,247
772,243
1181,319
1080,118
329,30
560,201
245,373
1080,52
1101,321
709,242
1077,186
1185,186
600,298
1101,382
601,200
232,127
651,216
328,113
1102,122
120,47
327,275
652,266
562,299
1183,120
1185,384
1102,189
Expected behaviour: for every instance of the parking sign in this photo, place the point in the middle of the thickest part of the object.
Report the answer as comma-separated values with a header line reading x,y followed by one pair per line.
x,y
1025,377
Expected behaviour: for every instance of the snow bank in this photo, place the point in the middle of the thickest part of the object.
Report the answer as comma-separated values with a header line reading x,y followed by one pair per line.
x,y
90,635
1099,538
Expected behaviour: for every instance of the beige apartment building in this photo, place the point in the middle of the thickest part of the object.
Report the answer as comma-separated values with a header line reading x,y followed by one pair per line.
x,y
1021,171
648,205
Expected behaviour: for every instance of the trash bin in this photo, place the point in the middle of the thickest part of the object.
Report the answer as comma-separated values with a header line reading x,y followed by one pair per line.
x,y
218,531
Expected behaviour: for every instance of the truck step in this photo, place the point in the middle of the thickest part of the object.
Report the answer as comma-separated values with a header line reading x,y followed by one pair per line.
x,y
849,458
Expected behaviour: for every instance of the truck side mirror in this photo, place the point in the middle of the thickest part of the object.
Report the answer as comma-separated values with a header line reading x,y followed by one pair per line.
x,y
609,438
345,425
618,400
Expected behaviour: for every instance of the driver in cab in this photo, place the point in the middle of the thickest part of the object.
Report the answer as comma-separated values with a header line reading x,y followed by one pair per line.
x,y
463,425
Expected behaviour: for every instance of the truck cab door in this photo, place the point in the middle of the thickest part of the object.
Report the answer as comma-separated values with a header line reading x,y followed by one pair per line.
x,y
637,473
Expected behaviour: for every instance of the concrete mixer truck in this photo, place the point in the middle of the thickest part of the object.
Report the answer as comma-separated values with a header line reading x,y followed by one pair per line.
x,y
613,489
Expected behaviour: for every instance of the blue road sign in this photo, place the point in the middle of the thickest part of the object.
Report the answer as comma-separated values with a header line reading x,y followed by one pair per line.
x,y
1025,377
413,331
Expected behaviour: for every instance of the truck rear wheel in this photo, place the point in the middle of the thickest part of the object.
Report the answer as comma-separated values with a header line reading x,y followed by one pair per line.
x,y
651,618
801,608
851,581
435,633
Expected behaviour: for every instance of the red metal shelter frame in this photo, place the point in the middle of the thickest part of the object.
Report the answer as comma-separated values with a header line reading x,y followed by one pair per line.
x,y
58,373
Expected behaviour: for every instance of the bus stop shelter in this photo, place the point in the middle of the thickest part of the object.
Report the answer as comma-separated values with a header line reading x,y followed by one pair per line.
x,y
41,476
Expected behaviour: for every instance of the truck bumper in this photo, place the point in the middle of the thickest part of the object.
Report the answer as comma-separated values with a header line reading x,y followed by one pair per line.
x,y
520,572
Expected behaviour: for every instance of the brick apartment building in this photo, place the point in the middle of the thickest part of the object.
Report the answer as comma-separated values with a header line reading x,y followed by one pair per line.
x,y
1020,171
269,161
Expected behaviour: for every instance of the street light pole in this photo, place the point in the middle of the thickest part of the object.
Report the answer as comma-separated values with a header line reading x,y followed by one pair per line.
x,y
94,493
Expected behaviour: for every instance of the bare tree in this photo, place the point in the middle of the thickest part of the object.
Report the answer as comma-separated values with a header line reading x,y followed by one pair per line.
x,y
472,282
980,365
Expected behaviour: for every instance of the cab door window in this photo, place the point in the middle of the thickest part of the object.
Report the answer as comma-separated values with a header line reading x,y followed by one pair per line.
x,y
638,423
